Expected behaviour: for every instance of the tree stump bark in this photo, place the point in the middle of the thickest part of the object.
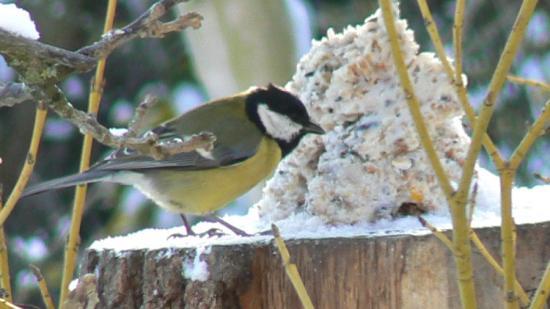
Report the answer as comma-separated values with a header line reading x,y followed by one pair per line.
x,y
401,271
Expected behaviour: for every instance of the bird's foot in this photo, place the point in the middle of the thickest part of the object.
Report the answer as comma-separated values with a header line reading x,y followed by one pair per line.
x,y
210,233
265,233
233,229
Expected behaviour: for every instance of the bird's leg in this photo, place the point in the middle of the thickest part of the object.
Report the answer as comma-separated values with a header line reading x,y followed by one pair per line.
x,y
188,229
236,230
190,232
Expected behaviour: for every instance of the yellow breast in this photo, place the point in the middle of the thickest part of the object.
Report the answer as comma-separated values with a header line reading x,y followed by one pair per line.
x,y
205,191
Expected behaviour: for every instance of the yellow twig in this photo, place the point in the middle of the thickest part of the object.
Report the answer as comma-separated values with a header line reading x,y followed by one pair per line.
x,y
529,82
437,233
26,172
412,101
43,287
461,244
481,248
457,37
523,297
542,178
5,280
534,132
4,303
460,89
507,231
94,99
498,79
291,270
543,290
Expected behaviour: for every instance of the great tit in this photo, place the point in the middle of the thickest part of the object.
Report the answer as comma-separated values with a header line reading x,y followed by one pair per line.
x,y
254,130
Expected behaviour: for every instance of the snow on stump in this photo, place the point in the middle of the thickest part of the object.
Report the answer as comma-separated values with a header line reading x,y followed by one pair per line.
x,y
396,271
337,200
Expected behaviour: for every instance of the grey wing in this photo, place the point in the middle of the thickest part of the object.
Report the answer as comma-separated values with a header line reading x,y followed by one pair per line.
x,y
223,154
130,160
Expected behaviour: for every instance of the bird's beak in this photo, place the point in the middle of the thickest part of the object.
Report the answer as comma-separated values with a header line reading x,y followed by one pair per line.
x,y
313,128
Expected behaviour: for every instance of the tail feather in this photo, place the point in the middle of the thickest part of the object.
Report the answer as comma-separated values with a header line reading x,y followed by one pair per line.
x,y
67,181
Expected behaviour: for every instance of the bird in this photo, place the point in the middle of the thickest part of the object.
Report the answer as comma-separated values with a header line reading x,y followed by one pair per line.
x,y
254,130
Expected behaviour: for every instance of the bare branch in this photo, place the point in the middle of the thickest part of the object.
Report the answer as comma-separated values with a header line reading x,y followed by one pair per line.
x,y
147,25
135,125
148,144
42,66
26,55
13,93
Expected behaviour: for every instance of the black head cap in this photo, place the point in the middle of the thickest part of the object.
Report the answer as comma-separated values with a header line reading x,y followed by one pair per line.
x,y
280,102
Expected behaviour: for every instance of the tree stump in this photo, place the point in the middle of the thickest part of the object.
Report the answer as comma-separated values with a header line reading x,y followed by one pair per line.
x,y
396,271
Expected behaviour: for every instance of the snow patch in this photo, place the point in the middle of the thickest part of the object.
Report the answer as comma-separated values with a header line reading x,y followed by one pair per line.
x,y
17,21
197,269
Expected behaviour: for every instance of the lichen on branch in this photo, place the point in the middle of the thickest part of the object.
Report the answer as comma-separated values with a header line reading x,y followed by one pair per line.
x,y
41,67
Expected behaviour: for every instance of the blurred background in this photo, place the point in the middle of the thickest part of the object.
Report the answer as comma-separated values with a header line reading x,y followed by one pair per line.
x,y
241,43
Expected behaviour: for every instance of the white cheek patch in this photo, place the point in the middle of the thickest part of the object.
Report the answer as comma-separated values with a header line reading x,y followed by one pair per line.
x,y
277,125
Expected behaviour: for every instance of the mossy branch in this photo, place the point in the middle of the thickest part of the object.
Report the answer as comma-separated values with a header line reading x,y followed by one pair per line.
x,y
42,66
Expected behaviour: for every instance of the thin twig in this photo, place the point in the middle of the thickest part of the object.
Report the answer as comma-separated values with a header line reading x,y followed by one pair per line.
x,y
529,82
148,25
461,244
39,121
542,178
535,131
523,297
437,233
457,37
507,234
291,270
472,203
8,304
497,81
13,93
458,84
412,101
46,297
136,123
5,280
94,99
482,249
543,290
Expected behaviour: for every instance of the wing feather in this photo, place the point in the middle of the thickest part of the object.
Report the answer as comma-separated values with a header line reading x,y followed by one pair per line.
x,y
237,139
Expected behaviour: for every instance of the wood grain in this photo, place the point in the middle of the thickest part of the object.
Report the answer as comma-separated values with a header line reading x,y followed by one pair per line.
x,y
364,272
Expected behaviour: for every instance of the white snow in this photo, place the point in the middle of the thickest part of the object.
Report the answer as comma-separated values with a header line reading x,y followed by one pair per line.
x,y
118,131
197,269
73,284
530,206
17,21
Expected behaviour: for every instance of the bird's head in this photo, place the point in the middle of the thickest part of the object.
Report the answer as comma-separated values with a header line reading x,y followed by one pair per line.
x,y
280,115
